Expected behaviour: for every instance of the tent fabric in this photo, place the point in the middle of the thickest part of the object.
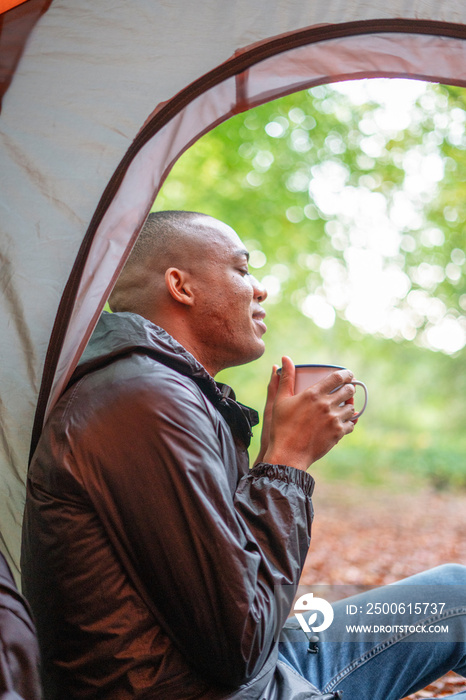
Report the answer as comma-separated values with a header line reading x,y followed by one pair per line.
x,y
104,99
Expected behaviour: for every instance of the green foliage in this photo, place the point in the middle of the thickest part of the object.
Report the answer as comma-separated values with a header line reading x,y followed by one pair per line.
x,y
329,195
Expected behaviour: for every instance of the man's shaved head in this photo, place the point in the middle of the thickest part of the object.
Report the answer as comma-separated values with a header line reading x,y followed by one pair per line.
x,y
164,236
168,239
188,273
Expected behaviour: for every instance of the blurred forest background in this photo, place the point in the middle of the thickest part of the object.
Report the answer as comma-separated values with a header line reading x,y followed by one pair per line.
x,y
351,199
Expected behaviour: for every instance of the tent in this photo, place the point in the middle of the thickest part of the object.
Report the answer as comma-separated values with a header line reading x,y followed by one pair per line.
x,y
98,100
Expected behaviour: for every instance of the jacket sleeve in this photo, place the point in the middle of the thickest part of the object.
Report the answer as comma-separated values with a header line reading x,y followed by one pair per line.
x,y
219,569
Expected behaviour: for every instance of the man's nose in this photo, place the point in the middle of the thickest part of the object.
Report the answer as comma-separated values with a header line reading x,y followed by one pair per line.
x,y
260,292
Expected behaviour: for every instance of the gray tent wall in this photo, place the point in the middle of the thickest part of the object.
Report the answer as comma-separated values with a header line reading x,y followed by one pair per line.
x,y
104,99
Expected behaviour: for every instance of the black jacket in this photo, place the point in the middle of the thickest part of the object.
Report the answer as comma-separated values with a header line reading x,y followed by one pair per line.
x,y
19,651
158,565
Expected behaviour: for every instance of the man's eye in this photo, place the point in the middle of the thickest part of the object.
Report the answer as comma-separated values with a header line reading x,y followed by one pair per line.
x,y
244,271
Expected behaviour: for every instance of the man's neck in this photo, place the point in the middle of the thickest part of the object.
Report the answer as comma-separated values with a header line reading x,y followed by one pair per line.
x,y
179,329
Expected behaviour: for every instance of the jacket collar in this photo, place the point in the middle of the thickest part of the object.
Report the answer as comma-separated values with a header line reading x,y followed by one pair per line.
x,y
119,334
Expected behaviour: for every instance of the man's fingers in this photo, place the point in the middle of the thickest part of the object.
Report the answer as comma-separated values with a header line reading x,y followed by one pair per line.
x,y
287,377
335,380
273,386
349,425
274,380
344,393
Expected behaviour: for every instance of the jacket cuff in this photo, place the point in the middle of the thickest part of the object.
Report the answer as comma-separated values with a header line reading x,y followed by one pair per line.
x,y
290,475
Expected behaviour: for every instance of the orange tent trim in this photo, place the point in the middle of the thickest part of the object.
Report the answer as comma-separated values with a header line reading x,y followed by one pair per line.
x,y
6,5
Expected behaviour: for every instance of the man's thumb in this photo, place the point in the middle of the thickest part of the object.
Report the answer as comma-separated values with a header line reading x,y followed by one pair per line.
x,y
287,377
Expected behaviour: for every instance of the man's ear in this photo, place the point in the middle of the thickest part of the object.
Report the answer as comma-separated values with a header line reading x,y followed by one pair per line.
x,y
178,283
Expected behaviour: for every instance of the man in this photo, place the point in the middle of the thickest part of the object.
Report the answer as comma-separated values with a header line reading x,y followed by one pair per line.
x,y
157,564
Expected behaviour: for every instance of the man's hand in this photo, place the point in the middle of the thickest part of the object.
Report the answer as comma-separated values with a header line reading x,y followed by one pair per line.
x,y
300,429
267,419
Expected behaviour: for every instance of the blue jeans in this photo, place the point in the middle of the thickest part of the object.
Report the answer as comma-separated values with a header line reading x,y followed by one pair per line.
x,y
387,664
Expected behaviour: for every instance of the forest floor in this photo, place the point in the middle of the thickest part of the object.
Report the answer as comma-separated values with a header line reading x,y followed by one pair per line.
x,y
369,537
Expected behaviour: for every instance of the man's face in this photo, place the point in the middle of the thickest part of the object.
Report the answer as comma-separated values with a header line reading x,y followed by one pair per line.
x,y
227,312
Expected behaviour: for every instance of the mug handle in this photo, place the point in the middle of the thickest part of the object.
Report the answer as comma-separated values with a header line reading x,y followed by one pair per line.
x,y
357,415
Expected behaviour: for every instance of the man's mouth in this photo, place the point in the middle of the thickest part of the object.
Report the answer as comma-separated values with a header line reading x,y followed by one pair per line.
x,y
258,317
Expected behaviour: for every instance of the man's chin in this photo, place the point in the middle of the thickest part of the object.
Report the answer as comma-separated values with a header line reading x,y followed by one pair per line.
x,y
254,354
261,350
